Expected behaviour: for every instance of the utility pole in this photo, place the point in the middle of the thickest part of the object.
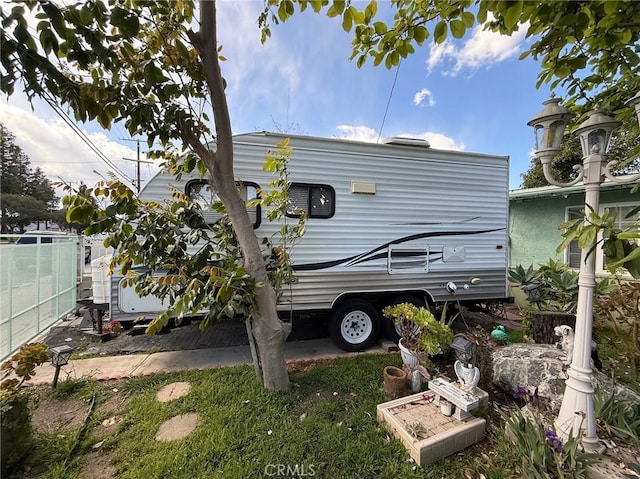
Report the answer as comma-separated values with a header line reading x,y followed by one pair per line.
x,y
138,179
138,164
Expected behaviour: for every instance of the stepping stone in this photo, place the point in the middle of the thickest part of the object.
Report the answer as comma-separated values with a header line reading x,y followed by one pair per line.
x,y
173,391
177,427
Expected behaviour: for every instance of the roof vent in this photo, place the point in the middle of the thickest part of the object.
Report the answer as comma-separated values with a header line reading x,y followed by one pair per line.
x,y
405,141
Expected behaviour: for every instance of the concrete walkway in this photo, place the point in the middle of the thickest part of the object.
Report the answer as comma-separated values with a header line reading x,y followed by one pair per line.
x,y
125,366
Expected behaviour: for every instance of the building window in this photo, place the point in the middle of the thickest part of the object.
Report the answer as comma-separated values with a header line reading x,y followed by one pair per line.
x,y
315,201
201,192
620,210
573,251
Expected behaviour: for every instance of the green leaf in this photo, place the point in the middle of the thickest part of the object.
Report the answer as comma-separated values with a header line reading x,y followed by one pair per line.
x,y
55,16
283,14
347,20
126,21
380,27
104,118
611,7
512,15
370,11
440,32
420,34
457,28
79,214
468,19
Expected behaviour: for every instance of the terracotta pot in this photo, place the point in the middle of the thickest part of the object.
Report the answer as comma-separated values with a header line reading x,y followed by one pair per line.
x,y
395,382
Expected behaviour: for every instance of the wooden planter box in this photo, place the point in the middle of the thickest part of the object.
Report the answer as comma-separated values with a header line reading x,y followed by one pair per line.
x,y
544,322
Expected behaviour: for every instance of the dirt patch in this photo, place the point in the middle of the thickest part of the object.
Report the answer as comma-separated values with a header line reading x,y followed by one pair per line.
x,y
177,427
113,405
50,414
98,466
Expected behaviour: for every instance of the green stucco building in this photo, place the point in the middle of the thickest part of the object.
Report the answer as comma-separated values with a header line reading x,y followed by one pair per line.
x,y
536,213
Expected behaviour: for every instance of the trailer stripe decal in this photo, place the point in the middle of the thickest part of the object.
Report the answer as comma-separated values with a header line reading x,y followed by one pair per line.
x,y
370,255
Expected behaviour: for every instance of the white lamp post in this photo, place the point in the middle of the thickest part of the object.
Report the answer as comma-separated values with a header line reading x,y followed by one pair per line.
x,y
577,409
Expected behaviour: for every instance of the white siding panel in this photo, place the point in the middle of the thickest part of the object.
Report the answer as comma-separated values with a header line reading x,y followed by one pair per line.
x,y
445,198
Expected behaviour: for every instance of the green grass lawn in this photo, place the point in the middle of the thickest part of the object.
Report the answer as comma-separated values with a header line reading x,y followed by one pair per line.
x,y
324,426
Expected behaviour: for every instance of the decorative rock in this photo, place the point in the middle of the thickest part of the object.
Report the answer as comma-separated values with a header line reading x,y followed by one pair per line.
x,y
531,366
537,366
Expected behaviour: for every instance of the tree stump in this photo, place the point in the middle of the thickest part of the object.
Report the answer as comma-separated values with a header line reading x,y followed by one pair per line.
x,y
544,322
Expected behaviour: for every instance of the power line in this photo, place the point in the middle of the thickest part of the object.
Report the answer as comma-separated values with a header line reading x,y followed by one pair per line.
x,y
386,110
84,137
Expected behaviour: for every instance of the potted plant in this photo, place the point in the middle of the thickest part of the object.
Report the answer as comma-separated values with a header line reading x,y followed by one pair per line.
x,y
421,335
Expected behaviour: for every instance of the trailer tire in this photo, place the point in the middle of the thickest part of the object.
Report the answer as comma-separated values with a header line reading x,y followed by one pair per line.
x,y
354,325
388,325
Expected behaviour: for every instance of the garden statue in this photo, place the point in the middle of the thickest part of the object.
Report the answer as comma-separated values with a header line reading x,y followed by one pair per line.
x,y
468,375
499,334
567,337
565,333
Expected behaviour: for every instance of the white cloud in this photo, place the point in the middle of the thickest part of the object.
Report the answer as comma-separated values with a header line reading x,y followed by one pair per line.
x,y
358,133
422,97
483,49
438,53
438,141
60,153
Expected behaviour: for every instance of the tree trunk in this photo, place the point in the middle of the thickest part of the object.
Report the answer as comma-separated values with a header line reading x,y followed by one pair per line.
x,y
268,331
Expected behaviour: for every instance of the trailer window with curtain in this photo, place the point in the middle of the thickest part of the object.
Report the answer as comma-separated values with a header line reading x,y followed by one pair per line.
x,y
200,191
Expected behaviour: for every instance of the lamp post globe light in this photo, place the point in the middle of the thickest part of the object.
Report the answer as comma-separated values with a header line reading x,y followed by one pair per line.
x,y
577,410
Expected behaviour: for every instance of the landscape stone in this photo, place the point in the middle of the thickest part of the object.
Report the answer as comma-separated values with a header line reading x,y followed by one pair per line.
x,y
173,391
178,427
538,365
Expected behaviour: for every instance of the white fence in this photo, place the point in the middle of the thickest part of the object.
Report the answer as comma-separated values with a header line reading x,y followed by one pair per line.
x,y
38,280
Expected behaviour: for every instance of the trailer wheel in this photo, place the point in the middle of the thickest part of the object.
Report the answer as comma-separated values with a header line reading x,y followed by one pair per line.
x,y
389,328
354,325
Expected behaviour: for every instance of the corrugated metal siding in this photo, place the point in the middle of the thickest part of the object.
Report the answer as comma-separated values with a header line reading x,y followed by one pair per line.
x,y
418,191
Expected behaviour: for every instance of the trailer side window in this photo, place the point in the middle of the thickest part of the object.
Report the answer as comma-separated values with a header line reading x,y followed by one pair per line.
x,y
316,201
201,192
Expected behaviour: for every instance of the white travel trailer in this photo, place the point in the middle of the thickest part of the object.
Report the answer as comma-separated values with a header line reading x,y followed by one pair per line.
x,y
387,223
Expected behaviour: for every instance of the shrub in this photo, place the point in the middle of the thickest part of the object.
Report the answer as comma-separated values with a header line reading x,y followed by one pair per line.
x,y
544,454
15,422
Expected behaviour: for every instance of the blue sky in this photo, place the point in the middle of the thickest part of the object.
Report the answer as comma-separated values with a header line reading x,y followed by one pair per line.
x,y
471,94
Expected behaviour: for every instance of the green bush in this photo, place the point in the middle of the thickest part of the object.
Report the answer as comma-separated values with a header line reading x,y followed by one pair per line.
x,y
15,423
15,436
